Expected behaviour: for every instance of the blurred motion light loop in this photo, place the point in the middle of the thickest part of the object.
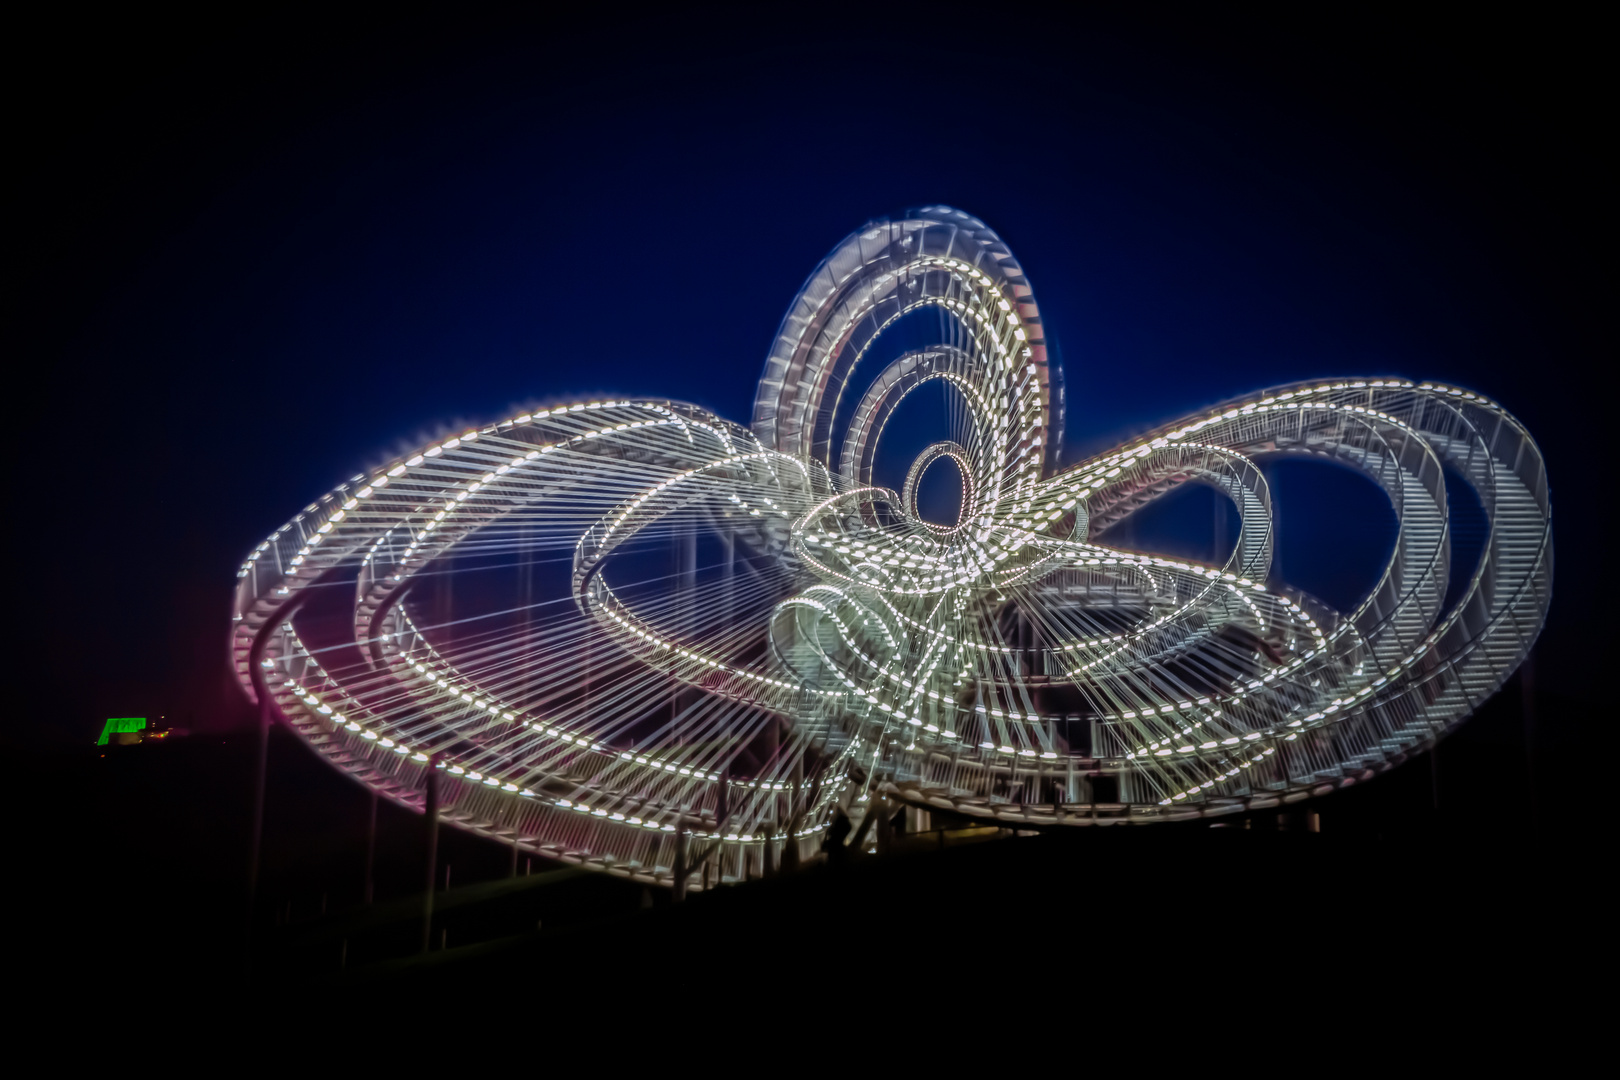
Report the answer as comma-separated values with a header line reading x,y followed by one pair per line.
x,y
744,635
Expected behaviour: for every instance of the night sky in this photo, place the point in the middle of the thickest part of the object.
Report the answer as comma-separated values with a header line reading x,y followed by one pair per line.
x,y
250,258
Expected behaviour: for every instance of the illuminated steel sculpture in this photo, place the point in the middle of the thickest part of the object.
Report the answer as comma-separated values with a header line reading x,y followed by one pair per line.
x,y
641,709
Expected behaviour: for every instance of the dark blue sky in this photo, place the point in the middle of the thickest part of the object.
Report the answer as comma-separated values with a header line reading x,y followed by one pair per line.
x,y
257,256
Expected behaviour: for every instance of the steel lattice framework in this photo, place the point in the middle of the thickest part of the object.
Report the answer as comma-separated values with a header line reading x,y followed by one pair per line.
x,y
829,644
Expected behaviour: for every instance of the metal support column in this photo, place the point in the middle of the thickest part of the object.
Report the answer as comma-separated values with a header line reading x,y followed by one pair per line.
x,y
430,878
371,851
683,842
261,689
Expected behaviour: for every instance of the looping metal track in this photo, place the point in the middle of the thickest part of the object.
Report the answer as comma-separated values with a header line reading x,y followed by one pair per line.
x,y
628,627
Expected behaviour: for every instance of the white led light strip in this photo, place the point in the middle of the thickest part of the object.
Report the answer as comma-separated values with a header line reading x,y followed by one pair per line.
x,y
627,626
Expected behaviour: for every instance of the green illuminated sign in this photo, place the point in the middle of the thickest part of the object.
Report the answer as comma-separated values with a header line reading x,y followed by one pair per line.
x,y
121,726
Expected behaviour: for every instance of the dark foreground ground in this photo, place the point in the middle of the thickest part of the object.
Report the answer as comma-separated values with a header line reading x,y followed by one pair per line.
x,y
1057,914
132,872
